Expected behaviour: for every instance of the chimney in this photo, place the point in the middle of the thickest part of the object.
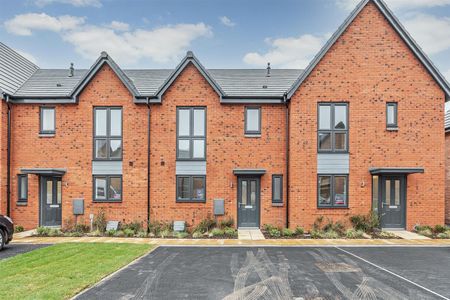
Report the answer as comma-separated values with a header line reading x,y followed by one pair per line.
x,y
268,70
71,70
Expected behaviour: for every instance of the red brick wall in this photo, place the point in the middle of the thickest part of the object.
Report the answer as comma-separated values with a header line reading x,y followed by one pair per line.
x,y
227,149
71,148
447,178
368,66
3,151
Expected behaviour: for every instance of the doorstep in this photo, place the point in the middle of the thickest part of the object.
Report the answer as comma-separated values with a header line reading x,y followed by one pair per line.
x,y
250,234
407,235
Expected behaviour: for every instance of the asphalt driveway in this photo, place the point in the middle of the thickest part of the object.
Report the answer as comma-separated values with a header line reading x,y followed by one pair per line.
x,y
15,249
282,273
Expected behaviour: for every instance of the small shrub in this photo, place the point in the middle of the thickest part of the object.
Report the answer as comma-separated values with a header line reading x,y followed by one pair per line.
x,y
268,227
18,228
287,232
81,228
119,233
181,235
439,229
155,228
100,222
206,225
299,230
142,234
366,223
274,233
95,233
54,232
75,234
230,232
42,231
317,234
354,234
425,232
197,235
317,225
337,227
165,233
225,223
216,232
419,227
331,234
128,232
443,235
133,226
111,232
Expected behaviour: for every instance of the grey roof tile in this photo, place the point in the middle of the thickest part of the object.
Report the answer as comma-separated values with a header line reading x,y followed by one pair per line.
x,y
14,69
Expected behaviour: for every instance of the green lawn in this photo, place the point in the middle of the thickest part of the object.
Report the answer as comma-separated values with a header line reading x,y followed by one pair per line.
x,y
61,271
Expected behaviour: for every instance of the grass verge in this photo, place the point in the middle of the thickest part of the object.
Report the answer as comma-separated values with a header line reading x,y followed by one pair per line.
x,y
61,271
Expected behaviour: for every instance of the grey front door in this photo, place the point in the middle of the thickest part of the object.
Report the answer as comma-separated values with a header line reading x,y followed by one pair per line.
x,y
393,202
248,201
51,201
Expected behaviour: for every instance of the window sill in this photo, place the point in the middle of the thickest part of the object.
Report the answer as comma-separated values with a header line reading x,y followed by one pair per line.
x,y
107,201
46,135
333,207
392,129
277,204
21,203
190,201
252,135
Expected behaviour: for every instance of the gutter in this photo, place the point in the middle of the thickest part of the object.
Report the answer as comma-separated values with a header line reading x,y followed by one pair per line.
x,y
286,102
148,164
8,158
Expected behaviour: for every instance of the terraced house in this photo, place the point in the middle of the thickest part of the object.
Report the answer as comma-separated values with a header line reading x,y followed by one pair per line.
x,y
360,129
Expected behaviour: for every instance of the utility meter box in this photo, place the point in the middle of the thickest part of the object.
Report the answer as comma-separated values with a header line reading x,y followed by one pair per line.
x,y
78,206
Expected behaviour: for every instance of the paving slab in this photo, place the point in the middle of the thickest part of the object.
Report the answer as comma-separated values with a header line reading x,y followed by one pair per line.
x,y
280,273
408,235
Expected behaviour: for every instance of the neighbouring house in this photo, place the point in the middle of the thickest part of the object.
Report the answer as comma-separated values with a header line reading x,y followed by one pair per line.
x,y
447,167
359,130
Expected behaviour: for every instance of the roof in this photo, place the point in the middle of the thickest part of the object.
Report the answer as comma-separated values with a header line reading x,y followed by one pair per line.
x,y
14,69
56,83
395,23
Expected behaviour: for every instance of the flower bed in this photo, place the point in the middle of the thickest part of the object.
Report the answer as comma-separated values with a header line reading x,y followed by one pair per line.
x,y
436,232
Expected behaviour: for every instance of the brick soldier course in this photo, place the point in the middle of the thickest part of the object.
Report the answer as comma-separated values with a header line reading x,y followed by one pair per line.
x,y
366,65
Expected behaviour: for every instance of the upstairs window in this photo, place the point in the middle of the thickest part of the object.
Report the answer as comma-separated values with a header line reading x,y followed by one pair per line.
x,y
23,188
332,133
253,120
191,133
47,120
391,115
108,133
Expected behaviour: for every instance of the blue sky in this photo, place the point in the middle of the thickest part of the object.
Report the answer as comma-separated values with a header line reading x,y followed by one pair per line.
x,y
222,33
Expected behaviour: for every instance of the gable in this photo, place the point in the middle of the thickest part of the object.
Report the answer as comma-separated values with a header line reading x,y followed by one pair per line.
x,y
394,24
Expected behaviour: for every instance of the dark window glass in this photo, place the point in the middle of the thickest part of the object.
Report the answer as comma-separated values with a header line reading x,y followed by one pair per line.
x,y
253,120
191,188
108,133
23,188
277,189
332,134
108,188
391,114
375,192
191,133
47,120
332,191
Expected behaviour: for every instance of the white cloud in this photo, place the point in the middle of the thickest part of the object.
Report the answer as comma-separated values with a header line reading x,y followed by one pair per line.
x,y
77,3
119,26
396,4
162,44
26,23
27,55
291,52
432,33
226,21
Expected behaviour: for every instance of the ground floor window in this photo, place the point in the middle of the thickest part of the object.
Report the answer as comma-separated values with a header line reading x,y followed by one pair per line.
x,y
332,191
191,188
107,188
23,188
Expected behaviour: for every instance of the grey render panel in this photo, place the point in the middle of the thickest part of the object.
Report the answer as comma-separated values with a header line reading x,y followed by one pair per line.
x,y
190,168
106,167
14,69
333,163
78,206
219,207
